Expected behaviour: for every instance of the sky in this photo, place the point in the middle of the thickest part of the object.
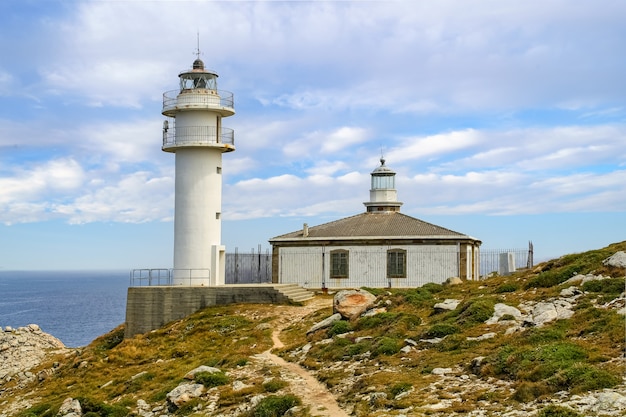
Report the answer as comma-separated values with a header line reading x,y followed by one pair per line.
x,y
504,120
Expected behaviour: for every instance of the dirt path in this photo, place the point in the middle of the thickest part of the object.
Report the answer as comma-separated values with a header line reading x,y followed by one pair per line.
x,y
312,393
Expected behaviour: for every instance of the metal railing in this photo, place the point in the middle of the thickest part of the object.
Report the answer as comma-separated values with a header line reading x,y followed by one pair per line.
x,y
490,259
212,99
150,277
197,135
147,277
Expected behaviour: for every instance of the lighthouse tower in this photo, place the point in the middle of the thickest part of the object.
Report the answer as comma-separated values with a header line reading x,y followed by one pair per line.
x,y
193,132
383,193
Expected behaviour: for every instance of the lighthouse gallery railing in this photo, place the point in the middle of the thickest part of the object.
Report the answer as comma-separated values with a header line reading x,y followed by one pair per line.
x,y
197,135
213,99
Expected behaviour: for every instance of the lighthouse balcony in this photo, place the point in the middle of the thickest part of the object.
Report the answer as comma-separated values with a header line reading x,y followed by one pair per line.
x,y
219,101
198,136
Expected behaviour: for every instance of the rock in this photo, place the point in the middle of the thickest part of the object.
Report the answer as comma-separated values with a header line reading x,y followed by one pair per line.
x,y
483,337
352,303
618,260
447,305
545,312
24,348
239,385
374,311
70,408
441,371
406,349
500,310
263,326
327,322
183,394
433,341
570,292
454,281
477,364
203,368
410,342
362,338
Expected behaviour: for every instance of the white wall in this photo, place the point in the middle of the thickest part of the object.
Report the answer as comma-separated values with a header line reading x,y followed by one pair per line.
x,y
367,266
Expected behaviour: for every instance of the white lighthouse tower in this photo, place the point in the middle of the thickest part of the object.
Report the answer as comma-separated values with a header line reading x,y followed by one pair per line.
x,y
193,131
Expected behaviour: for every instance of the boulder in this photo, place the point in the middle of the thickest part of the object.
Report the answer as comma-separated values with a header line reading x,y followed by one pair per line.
x,y
183,394
447,305
618,260
454,281
70,408
203,368
546,312
352,303
327,322
500,310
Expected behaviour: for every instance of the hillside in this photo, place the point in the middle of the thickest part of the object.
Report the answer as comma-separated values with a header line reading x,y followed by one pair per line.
x,y
546,342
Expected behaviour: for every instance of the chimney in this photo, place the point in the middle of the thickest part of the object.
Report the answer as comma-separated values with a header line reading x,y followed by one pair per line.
x,y
305,230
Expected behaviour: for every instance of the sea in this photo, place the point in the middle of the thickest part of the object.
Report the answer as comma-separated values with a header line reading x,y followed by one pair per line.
x,y
74,306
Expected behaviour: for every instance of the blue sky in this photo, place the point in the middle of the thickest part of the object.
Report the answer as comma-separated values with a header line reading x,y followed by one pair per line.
x,y
503,120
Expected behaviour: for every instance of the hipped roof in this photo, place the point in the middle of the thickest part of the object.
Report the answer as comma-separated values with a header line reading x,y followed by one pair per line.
x,y
393,225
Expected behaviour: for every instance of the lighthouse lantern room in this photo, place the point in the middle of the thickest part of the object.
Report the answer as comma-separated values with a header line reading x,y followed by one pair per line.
x,y
193,132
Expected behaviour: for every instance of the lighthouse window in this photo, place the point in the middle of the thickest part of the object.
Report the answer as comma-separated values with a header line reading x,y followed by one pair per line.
x,y
396,263
383,182
339,263
218,215
219,170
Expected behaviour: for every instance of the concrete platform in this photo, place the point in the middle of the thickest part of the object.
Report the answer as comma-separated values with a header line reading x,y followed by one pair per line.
x,y
150,308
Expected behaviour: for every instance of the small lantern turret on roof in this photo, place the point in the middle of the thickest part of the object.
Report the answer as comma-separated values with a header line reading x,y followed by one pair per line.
x,y
383,193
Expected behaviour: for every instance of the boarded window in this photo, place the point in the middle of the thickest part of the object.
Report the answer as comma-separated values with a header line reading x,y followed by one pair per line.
x,y
396,263
339,263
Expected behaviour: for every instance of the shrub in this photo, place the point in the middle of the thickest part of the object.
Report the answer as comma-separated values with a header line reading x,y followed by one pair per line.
x,y
100,409
376,321
613,286
476,311
441,330
274,406
433,287
582,377
399,388
529,391
387,346
274,385
418,296
211,379
557,411
507,287
356,348
339,327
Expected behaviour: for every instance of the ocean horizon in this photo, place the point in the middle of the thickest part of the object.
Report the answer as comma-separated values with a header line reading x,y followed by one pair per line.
x,y
74,306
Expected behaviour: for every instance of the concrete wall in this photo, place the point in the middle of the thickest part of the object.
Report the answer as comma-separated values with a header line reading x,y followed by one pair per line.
x,y
150,308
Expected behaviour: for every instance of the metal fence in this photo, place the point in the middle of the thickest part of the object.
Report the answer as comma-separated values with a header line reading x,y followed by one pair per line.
x,y
248,268
490,259
256,267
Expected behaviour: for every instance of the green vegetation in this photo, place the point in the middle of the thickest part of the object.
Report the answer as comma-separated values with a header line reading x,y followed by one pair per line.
x,y
211,379
275,406
557,411
362,357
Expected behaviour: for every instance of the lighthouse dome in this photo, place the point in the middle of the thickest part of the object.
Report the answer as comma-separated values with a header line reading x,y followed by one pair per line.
x,y
383,169
198,64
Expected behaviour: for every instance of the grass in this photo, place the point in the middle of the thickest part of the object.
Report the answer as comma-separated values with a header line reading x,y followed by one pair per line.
x,y
362,356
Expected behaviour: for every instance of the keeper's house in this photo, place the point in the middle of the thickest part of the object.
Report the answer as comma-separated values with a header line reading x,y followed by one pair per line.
x,y
379,248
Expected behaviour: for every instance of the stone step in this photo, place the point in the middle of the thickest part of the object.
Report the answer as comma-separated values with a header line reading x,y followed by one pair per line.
x,y
294,292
